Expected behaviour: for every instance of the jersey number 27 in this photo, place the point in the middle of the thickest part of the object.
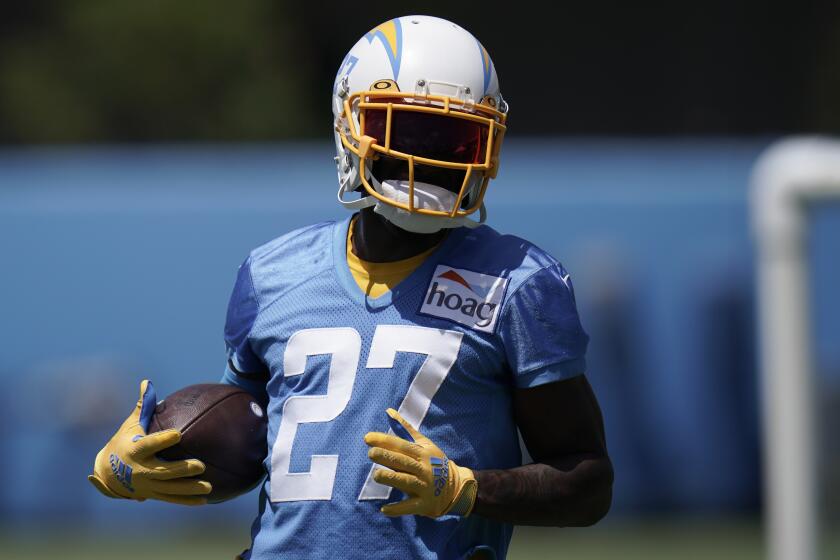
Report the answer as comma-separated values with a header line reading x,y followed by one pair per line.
x,y
344,347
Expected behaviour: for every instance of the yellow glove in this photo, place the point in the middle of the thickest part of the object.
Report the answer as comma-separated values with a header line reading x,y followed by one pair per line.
x,y
127,467
435,485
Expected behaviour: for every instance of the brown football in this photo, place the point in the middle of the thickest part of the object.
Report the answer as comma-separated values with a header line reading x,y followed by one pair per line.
x,y
221,425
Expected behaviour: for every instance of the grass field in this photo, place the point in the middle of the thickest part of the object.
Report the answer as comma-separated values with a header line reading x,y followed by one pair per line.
x,y
661,540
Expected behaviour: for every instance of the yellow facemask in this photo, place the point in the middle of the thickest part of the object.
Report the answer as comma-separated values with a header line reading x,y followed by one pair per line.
x,y
370,133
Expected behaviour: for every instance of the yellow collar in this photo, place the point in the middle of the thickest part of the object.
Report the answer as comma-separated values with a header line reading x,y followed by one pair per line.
x,y
375,279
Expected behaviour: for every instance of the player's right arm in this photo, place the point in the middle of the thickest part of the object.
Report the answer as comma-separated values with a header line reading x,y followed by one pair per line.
x,y
244,368
127,467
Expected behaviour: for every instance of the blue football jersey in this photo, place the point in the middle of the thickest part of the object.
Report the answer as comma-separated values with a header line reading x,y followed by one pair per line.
x,y
483,314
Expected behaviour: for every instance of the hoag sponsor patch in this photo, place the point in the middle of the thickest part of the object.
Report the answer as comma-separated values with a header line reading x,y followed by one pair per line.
x,y
466,297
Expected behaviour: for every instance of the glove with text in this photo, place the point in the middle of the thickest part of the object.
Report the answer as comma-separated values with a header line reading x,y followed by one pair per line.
x,y
128,468
434,484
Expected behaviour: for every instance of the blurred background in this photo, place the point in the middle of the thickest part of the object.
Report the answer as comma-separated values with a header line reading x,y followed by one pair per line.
x,y
146,147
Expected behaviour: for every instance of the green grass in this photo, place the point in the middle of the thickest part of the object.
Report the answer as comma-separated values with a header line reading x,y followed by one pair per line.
x,y
651,540
642,541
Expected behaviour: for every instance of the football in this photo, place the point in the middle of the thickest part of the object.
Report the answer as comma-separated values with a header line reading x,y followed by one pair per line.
x,y
221,425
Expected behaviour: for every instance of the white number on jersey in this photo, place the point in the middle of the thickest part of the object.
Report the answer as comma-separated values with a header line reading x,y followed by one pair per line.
x,y
441,348
344,347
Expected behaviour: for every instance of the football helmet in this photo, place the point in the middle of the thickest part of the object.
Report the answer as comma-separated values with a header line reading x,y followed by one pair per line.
x,y
419,123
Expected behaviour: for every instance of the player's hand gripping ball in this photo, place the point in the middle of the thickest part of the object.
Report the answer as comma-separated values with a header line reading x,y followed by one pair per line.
x,y
222,426
435,485
204,443
127,467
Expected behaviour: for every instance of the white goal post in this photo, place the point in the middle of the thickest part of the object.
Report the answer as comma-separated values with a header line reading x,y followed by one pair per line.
x,y
787,179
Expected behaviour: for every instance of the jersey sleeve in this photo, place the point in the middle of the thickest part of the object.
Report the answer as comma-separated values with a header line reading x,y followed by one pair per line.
x,y
244,367
541,331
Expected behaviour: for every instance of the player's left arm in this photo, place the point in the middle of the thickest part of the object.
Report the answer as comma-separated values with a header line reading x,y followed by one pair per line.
x,y
569,484
570,481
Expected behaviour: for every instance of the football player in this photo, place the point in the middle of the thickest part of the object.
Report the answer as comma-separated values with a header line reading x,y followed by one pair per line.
x,y
401,350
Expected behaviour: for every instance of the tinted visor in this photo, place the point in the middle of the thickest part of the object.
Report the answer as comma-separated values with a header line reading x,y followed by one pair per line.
x,y
429,135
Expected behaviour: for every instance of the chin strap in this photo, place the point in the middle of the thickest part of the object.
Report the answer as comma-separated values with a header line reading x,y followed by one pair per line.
x,y
348,181
482,216
359,203
391,212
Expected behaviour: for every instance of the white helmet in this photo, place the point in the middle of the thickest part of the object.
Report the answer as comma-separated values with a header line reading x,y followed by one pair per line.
x,y
420,92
